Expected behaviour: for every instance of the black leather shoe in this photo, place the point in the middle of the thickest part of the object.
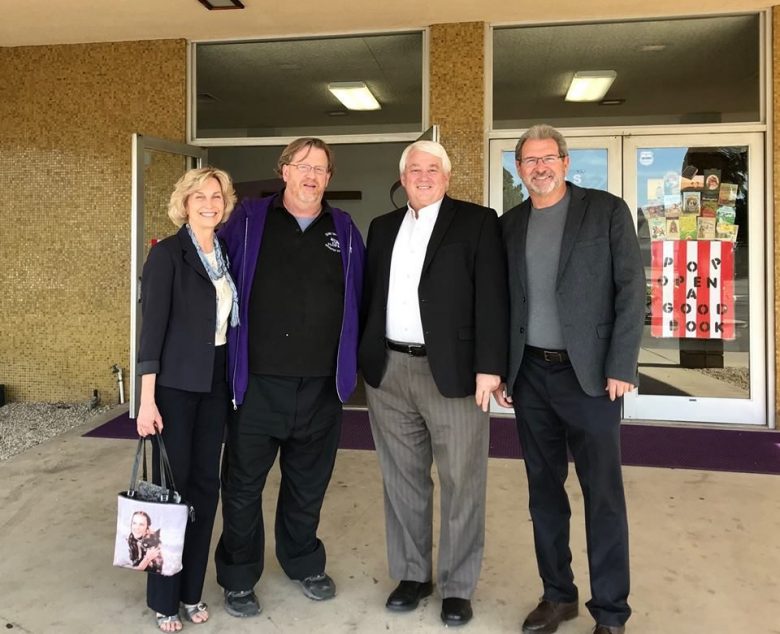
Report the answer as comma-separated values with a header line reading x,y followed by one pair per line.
x,y
548,615
407,595
609,629
455,611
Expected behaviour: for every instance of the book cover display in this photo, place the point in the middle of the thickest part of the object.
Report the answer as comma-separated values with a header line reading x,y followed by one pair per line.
x,y
691,206
691,203
689,227
657,228
705,228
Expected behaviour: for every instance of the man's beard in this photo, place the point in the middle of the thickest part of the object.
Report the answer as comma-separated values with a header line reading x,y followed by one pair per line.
x,y
542,190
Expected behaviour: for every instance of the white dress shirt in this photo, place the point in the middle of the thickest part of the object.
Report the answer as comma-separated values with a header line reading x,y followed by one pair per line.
x,y
404,323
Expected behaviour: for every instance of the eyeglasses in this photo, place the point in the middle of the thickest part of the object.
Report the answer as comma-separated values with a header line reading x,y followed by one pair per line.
x,y
532,161
305,168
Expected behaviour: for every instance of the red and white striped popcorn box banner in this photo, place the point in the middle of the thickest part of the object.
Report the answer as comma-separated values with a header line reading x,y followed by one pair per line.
x,y
692,285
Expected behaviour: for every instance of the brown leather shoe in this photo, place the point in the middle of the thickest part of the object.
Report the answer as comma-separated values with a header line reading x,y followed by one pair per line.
x,y
548,615
609,629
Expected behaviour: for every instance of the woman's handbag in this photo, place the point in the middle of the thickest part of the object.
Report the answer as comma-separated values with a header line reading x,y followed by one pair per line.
x,y
151,519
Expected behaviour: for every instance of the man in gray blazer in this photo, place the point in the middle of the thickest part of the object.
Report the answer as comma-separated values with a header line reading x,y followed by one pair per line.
x,y
577,298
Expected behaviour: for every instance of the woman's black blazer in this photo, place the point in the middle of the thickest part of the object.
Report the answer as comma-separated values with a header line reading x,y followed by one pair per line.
x,y
178,316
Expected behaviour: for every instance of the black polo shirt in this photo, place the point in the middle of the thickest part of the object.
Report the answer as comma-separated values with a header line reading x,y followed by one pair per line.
x,y
297,299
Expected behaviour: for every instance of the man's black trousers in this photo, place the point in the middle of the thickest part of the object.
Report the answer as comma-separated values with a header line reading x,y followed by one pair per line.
x,y
300,420
554,414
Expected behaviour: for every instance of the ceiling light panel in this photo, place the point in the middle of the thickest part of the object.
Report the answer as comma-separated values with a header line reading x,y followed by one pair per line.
x,y
355,95
590,85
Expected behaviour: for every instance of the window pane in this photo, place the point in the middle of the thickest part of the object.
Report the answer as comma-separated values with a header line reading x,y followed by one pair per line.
x,y
700,70
280,88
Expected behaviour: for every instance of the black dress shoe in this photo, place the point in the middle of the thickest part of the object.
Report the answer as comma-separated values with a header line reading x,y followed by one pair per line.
x,y
455,611
407,595
609,629
548,615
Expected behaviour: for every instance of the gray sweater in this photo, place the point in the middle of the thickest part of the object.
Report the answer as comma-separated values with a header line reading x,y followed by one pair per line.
x,y
543,251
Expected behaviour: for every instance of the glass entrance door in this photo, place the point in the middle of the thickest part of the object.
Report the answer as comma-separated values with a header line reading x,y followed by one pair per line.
x,y
157,165
699,205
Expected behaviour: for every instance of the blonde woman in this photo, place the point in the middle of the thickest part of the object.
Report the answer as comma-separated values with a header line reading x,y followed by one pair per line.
x,y
188,301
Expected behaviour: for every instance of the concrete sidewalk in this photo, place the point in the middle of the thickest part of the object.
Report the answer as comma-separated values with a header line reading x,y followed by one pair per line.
x,y
705,552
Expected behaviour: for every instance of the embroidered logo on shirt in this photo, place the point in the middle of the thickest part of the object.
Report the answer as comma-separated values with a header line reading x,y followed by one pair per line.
x,y
332,242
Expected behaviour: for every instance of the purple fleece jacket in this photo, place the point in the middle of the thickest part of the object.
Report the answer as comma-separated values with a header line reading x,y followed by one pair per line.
x,y
243,235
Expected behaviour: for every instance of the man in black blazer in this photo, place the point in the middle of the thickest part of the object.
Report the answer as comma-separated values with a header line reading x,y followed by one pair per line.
x,y
433,347
577,297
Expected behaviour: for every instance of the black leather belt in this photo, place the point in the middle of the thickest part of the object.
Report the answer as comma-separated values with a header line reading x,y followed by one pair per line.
x,y
412,349
551,356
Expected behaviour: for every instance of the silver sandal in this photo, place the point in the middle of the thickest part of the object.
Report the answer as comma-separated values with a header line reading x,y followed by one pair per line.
x,y
191,610
164,620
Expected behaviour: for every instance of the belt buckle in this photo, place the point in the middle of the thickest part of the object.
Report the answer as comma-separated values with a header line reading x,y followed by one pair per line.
x,y
552,357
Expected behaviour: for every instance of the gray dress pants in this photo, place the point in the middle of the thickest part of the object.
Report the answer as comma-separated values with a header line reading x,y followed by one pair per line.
x,y
413,424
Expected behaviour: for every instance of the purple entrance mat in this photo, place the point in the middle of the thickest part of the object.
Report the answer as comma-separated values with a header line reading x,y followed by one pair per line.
x,y
747,451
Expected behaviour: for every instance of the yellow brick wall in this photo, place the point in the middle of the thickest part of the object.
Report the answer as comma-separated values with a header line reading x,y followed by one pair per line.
x,y
457,71
66,118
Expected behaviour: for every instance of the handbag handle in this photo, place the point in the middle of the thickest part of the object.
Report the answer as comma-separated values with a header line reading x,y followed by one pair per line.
x,y
165,464
140,461
166,473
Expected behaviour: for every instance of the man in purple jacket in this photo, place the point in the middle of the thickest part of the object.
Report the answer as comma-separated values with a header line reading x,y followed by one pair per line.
x,y
291,364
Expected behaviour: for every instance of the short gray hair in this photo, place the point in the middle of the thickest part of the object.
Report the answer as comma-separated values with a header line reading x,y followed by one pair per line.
x,y
541,132
430,147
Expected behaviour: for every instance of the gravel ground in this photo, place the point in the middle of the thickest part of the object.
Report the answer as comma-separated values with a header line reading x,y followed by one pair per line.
x,y
24,425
